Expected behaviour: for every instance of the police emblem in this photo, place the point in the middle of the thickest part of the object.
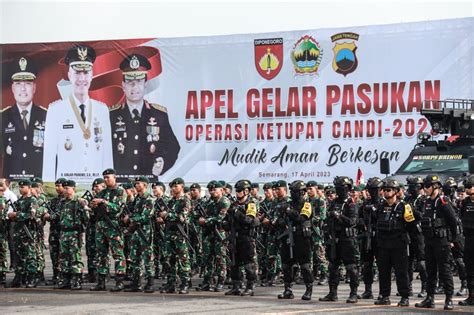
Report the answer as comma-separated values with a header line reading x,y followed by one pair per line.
x,y
306,55
268,57
134,63
22,63
345,59
38,134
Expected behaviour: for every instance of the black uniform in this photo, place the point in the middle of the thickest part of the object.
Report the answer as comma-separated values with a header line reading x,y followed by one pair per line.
x,y
467,217
23,148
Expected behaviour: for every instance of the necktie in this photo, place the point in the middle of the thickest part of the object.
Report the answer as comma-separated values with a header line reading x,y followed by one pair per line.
x,y
83,115
136,114
25,122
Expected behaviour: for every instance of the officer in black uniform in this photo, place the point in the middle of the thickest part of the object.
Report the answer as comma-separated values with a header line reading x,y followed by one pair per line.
x,y
342,239
23,125
415,197
467,217
241,222
294,223
438,217
367,226
142,139
393,218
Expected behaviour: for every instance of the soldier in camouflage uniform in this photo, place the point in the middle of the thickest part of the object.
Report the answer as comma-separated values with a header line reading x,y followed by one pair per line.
x,y
38,193
107,205
130,192
25,236
214,239
176,217
73,217
320,263
195,231
3,237
160,256
140,227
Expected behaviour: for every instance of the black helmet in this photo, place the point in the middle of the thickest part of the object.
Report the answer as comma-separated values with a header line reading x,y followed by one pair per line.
x,y
391,183
297,185
450,183
341,181
431,180
373,183
242,184
468,181
414,180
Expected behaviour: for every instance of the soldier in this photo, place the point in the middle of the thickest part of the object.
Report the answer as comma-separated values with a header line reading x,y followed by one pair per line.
x,y
73,217
240,222
415,197
293,220
195,231
12,198
367,220
143,141
320,263
78,127
393,217
3,237
330,193
437,219
42,214
23,125
127,237
177,244
342,241
161,258
467,217
140,222
25,236
107,206
254,191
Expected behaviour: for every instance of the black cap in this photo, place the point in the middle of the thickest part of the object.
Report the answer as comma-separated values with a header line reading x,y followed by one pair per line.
x,y
280,183
195,186
254,185
135,67
69,183
109,171
311,183
143,179
23,70
80,57
37,180
160,184
98,181
127,185
60,181
214,184
177,181
267,186
24,182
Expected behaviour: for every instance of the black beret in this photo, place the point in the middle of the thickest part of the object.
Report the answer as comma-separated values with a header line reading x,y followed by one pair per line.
x,y
23,70
109,171
98,181
195,185
177,181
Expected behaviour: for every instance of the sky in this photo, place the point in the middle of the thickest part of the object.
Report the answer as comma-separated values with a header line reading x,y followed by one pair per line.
x,y
49,21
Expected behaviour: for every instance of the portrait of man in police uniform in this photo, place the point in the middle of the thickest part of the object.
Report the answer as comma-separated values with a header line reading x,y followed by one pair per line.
x,y
142,139
77,137
23,125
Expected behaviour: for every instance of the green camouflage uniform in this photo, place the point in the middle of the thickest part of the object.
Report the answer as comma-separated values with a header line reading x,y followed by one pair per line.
x,y
195,233
54,233
91,248
108,237
127,237
142,217
159,253
42,210
72,219
3,236
320,262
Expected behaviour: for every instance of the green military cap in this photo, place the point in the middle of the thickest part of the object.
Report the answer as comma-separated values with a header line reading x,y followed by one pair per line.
x,y
37,180
186,189
195,185
228,186
280,183
109,171
177,181
160,184
98,181
24,182
80,57
320,186
311,183
254,185
69,183
223,183
23,70
267,186
127,185
143,179
60,181
214,184
329,190
135,67
34,185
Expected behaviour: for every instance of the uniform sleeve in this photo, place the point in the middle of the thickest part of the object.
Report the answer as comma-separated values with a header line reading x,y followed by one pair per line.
x,y
349,216
450,216
51,132
144,216
170,146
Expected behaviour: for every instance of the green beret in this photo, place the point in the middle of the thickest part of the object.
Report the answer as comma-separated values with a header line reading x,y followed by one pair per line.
x,y
186,189
24,182
177,181
143,179
127,185
98,181
60,181
160,184
69,183
195,185
280,183
267,186
214,184
109,171
311,183
37,180
254,185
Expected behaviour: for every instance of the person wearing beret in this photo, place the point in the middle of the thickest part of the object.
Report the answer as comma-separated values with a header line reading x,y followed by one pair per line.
x,y
130,192
159,189
42,212
23,125
142,139
77,138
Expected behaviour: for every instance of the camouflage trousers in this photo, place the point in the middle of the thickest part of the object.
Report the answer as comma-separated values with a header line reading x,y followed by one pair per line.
x,y
160,256
54,248
178,255
127,241
142,251
91,250
26,251
109,240
3,253
320,262
273,259
70,252
214,257
40,253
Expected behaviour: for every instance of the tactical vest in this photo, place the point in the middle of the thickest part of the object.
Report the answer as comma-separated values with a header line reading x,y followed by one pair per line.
x,y
390,219
467,216
431,224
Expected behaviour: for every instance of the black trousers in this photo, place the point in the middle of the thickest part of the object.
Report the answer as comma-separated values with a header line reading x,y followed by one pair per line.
x,y
245,256
469,258
396,258
301,255
438,261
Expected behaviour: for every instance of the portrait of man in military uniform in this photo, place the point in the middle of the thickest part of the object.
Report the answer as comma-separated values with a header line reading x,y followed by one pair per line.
x,y
23,125
77,137
142,139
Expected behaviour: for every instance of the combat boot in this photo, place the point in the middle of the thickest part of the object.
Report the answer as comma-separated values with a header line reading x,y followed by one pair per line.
x,y
352,295
448,303
183,289
367,293
309,291
16,283
323,279
100,286
428,302
404,302
469,300
463,289
219,286
76,282
31,281
149,285
54,279
235,288
168,288
119,286
92,276
248,289
3,278
136,284
422,293
65,282
332,295
383,301
287,293
206,286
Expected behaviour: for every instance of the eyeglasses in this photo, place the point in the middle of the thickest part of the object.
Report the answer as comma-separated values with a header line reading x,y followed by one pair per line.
x,y
468,186
387,189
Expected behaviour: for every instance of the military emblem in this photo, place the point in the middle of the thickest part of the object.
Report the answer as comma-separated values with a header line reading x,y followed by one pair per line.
x,y
153,131
8,149
345,59
306,55
38,134
10,128
134,63
82,53
22,63
68,144
121,147
268,57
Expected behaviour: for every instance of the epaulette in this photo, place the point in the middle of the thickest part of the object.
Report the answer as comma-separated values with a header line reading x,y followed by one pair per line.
x,y
43,108
4,109
159,107
115,107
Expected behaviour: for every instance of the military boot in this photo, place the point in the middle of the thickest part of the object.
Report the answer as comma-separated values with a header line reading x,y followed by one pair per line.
x,y
136,284
448,303
149,285
3,278
92,276
469,300
287,293
76,282
463,289
206,286
422,293
367,293
100,286
404,302
248,289
119,286
31,281
428,302
352,295
235,288
323,279
16,283
168,287
383,301
65,282
54,279
309,291
219,286
331,296
184,288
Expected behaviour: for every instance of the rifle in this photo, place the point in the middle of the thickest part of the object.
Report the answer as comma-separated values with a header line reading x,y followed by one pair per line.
x,y
202,213
101,212
87,196
178,225
135,226
332,236
23,224
288,233
370,208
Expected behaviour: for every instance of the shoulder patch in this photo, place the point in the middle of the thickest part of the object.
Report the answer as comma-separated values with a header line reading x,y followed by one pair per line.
x,y
408,213
251,209
306,210
159,107
115,107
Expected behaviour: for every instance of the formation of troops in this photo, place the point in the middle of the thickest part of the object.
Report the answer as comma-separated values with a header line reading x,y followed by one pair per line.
x,y
299,232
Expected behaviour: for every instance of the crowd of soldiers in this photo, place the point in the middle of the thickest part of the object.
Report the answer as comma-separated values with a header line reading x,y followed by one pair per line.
x,y
297,232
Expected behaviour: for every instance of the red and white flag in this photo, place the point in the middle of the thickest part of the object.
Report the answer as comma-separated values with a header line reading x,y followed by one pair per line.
x,y
360,177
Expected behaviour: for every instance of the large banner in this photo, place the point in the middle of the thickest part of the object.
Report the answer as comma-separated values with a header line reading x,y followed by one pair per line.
x,y
293,105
